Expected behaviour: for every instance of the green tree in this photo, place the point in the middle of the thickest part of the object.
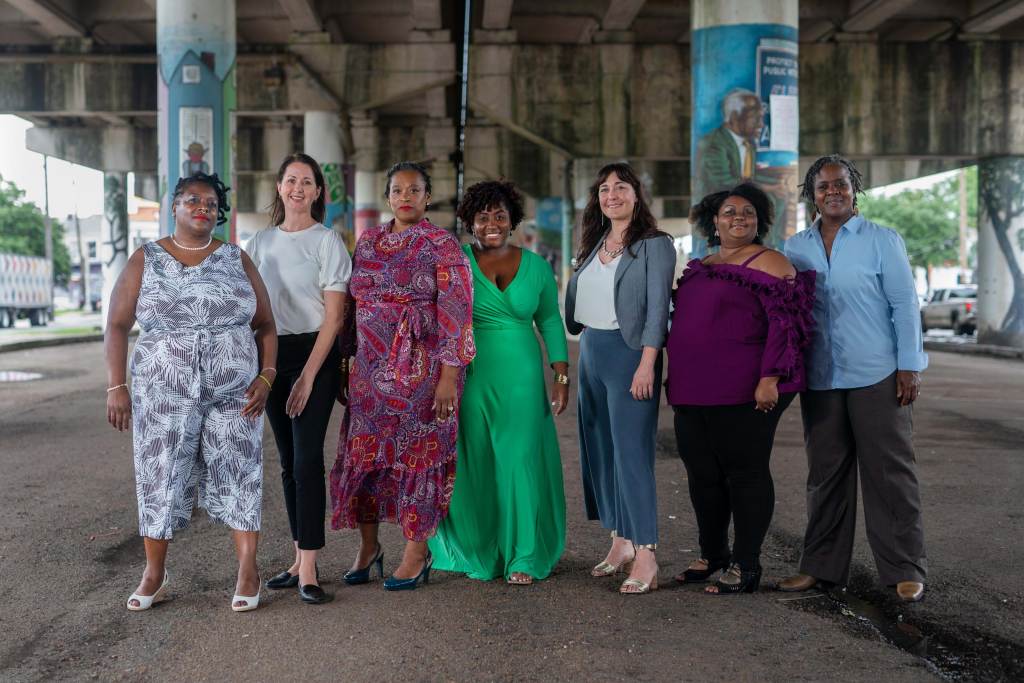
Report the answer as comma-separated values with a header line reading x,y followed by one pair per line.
x,y
928,220
22,232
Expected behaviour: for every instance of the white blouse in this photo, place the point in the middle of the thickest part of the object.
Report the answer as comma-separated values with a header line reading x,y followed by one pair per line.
x,y
297,268
595,294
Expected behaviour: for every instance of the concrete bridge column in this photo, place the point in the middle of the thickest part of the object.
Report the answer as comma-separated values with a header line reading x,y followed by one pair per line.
x,y
277,144
322,141
745,116
196,96
368,187
115,231
1001,251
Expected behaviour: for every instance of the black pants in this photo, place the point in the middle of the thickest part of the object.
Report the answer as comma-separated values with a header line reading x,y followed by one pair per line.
x,y
300,440
726,450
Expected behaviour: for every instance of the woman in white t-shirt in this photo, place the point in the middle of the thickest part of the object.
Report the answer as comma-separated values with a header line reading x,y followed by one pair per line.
x,y
306,269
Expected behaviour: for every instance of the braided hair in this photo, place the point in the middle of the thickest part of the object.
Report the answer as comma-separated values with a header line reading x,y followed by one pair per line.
x,y
215,184
856,180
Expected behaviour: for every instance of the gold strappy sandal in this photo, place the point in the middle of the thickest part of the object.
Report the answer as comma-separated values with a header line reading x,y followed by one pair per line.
x,y
608,569
636,586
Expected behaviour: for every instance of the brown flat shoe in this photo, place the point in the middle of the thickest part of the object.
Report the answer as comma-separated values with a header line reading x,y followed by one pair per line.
x,y
797,584
910,591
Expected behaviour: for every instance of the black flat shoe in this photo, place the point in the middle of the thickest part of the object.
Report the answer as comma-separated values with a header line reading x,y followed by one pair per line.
x,y
283,580
312,594
701,575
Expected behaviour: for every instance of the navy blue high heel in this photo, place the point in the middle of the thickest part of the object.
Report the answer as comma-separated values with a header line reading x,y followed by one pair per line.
x,y
393,584
355,577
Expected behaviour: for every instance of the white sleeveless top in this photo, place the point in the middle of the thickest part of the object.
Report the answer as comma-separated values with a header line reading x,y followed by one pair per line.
x,y
595,294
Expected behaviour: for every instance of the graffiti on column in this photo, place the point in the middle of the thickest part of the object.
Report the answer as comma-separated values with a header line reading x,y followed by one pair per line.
x,y
999,190
116,215
746,118
339,182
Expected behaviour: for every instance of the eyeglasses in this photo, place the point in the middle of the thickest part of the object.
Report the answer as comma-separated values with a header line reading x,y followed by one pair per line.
x,y
730,212
194,201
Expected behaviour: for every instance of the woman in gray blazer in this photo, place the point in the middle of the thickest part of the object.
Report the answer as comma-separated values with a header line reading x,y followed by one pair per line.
x,y
618,299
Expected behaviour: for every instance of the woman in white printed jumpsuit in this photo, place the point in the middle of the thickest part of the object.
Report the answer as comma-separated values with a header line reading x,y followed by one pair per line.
x,y
199,381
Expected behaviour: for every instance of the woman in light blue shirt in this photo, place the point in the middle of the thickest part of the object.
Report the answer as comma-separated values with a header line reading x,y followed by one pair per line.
x,y
863,375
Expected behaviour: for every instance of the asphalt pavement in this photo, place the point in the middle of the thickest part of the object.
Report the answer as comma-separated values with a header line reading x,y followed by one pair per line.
x,y
70,555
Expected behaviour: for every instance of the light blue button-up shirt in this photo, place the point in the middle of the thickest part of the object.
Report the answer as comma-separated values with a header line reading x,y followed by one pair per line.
x,y
866,314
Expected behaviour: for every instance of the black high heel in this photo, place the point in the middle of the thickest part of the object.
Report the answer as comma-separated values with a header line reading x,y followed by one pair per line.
x,y
735,580
701,575
286,580
355,577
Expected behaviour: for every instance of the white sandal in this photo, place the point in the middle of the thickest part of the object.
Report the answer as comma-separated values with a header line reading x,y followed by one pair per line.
x,y
251,603
147,601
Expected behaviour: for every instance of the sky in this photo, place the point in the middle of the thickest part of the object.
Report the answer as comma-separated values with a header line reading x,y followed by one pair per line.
x,y
72,187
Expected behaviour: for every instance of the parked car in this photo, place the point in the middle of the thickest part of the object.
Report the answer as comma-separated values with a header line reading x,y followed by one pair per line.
x,y
24,290
952,308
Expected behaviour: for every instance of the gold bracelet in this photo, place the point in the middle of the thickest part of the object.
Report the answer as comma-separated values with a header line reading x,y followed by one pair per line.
x,y
269,385
561,379
119,386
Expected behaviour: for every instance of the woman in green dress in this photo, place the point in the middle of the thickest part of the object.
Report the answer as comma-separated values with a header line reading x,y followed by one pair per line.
x,y
507,515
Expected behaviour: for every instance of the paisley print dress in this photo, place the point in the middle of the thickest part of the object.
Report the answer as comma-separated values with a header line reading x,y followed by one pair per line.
x,y
413,300
193,361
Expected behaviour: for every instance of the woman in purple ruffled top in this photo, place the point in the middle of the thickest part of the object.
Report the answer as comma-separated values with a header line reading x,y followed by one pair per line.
x,y
741,322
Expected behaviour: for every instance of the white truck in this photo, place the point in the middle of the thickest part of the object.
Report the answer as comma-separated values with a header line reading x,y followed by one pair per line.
x,y
25,290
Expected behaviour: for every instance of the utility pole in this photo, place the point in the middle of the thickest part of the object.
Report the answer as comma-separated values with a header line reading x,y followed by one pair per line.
x,y
83,264
47,228
963,226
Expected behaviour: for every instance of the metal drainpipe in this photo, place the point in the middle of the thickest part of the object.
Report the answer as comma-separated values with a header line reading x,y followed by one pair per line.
x,y
460,154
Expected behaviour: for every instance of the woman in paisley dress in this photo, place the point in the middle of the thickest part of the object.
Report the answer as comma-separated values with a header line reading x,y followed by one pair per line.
x,y
412,293
195,404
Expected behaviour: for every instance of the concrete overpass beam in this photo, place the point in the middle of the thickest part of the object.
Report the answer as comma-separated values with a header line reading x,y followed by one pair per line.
x,y
303,15
620,15
995,17
114,149
745,92
497,14
873,13
51,17
1000,252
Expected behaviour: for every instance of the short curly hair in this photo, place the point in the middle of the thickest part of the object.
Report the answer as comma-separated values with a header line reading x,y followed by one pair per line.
x,y
703,214
214,183
489,194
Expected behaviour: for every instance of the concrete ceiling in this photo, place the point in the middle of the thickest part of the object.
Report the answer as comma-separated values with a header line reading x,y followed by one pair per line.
x,y
130,25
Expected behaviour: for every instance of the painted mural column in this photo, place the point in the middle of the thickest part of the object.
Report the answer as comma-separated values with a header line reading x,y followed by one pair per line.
x,y
745,124
322,141
115,231
196,96
1001,251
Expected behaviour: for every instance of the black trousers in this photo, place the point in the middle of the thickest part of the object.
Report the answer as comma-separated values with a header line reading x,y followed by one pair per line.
x,y
726,451
300,440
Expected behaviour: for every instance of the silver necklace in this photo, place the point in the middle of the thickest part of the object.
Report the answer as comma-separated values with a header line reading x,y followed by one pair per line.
x,y
179,245
611,254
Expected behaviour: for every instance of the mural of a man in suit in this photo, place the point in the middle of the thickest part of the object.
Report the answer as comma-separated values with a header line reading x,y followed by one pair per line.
x,y
727,156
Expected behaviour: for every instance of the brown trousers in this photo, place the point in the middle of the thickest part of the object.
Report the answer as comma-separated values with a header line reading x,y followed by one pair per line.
x,y
849,428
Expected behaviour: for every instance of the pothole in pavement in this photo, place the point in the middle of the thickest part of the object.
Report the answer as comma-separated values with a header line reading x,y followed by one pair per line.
x,y
18,376
953,651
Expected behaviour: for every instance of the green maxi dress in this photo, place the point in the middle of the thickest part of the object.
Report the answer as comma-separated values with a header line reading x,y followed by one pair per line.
x,y
508,509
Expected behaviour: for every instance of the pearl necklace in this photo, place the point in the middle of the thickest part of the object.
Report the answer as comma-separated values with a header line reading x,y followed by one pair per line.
x,y
179,245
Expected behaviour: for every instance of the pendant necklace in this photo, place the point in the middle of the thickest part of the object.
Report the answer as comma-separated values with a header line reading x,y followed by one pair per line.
x,y
611,254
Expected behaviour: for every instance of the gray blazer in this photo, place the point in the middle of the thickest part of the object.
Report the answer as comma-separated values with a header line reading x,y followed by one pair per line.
x,y
643,288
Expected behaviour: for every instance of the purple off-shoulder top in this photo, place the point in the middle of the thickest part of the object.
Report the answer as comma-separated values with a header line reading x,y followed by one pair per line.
x,y
733,325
